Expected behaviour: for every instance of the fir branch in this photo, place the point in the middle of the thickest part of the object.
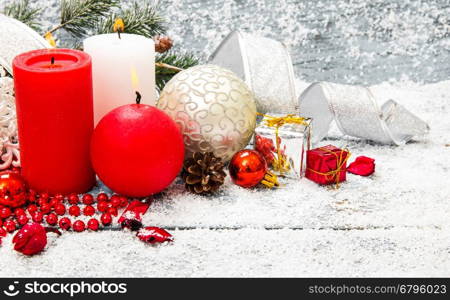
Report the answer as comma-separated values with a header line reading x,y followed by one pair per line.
x,y
164,73
78,16
143,20
22,11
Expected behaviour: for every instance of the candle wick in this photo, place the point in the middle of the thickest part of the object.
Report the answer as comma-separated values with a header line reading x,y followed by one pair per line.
x,y
52,60
138,97
118,32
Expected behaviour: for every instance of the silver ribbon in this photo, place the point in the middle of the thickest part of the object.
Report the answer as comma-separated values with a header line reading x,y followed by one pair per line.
x,y
357,114
16,38
266,67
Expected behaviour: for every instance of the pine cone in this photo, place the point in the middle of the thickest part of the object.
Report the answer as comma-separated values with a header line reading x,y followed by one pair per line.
x,y
162,43
203,173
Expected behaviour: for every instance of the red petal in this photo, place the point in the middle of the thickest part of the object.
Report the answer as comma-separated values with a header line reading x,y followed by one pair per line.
x,y
134,210
363,166
154,235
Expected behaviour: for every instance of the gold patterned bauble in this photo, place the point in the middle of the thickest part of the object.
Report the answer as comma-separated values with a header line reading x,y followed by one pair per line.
x,y
214,109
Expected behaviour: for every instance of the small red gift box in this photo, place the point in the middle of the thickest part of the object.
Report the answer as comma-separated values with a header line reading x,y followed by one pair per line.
x,y
326,165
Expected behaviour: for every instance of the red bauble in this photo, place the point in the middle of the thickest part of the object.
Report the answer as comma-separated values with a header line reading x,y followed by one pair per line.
x,y
137,150
247,168
13,189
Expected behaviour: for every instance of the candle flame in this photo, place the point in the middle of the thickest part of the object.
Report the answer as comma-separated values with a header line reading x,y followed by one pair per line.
x,y
119,25
49,38
134,79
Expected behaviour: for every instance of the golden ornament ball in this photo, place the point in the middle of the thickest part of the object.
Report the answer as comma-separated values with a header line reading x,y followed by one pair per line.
x,y
214,109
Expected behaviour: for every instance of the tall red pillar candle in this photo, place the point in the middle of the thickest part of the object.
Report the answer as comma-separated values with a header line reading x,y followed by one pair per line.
x,y
53,89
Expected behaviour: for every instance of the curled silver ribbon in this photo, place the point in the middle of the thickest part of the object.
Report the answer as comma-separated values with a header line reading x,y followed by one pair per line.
x,y
357,114
265,66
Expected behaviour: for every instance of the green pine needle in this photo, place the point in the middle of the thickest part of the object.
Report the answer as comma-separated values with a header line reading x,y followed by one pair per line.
x,y
78,16
142,20
180,60
22,11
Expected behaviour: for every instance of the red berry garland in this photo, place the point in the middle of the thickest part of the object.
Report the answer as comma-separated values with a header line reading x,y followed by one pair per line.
x,y
53,209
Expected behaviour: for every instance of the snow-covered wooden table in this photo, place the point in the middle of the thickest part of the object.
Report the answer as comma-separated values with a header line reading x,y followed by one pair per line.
x,y
395,223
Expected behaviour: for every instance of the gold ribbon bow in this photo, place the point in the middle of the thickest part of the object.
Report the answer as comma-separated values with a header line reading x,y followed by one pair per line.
x,y
280,163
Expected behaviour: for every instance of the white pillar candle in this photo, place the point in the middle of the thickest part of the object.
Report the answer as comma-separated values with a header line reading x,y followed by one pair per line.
x,y
120,68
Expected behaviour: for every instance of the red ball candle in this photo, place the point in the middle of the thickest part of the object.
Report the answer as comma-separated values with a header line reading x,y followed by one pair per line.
x,y
137,150
55,119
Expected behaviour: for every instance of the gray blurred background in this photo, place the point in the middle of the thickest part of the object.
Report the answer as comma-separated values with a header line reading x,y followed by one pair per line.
x,y
344,41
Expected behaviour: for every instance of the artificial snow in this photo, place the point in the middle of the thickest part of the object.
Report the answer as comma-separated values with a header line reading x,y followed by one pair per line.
x,y
372,226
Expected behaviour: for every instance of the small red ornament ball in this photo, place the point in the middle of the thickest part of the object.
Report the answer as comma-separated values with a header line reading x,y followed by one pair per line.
x,y
247,168
10,225
37,217
51,219
60,209
78,226
88,199
13,189
5,212
137,150
73,199
65,223
89,210
106,219
74,210
22,219
93,224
